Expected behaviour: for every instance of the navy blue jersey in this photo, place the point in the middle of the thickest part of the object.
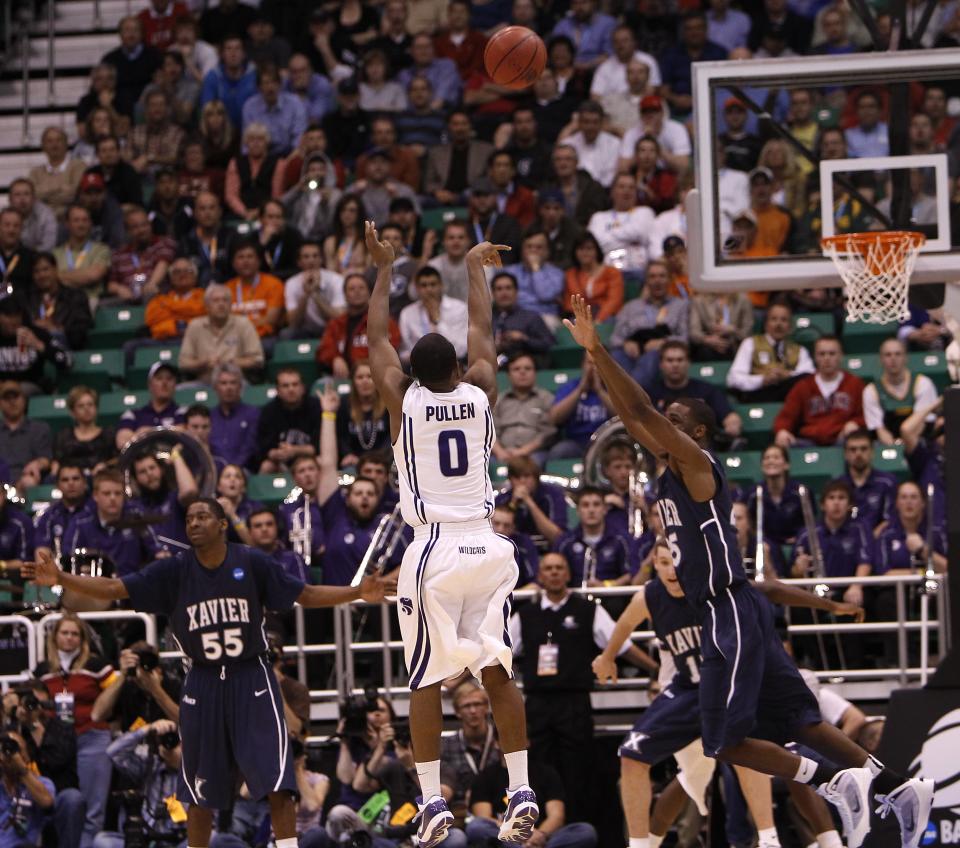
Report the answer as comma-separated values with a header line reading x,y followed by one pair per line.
x,y
216,615
677,626
702,540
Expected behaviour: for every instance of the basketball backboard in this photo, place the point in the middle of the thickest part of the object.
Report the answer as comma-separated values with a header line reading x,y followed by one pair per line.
x,y
884,176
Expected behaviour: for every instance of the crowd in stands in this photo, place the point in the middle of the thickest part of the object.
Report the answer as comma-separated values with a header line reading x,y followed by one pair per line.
x,y
219,175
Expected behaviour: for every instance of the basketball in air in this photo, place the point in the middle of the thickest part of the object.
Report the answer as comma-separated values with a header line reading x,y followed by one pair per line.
x,y
515,57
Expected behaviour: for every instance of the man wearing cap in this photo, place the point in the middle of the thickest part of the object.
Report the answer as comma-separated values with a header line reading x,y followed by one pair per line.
x,y
596,148
137,270
233,81
105,212
774,224
740,148
378,188
672,136
280,111
160,411
485,223
16,259
455,167
561,230
611,75
348,126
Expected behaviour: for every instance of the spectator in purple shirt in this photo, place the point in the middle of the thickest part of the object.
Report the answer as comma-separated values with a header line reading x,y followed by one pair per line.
x,y
528,557
233,423
16,533
902,546
265,536
540,508
160,411
598,555
873,491
578,409
74,499
925,455
293,511
590,30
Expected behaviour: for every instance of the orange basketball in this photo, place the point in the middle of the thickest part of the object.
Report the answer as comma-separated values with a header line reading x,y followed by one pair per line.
x,y
515,57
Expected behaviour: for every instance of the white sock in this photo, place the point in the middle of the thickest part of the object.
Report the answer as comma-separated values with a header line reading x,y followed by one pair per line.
x,y
829,839
873,765
429,774
768,838
806,770
639,842
516,770
290,842
655,840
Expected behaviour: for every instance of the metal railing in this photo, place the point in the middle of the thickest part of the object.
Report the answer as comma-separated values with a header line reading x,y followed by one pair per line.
x,y
31,646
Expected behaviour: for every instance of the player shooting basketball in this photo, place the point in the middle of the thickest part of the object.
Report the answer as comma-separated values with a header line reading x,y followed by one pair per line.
x,y
752,697
215,596
457,576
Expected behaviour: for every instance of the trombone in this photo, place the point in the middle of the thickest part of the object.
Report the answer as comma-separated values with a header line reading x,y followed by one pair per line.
x,y
382,545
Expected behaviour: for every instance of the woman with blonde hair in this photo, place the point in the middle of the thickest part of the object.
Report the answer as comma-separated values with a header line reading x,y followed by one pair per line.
x,y
789,181
220,143
77,680
362,423
253,177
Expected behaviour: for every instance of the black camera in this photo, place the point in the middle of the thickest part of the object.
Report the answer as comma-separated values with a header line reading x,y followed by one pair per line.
x,y
147,659
168,740
354,711
359,839
401,734
135,834
9,747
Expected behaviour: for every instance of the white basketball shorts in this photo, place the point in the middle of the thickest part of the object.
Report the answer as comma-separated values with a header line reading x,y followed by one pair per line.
x,y
453,601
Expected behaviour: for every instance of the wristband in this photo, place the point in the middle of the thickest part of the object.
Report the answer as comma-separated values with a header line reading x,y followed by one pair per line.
x,y
328,416
609,582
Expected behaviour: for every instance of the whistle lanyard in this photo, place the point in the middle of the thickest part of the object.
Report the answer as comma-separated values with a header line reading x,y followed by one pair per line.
x,y
487,745
73,262
5,270
210,252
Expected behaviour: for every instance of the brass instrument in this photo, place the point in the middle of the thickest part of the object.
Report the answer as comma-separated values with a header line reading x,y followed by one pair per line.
x,y
160,443
382,545
589,566
301,531
759,559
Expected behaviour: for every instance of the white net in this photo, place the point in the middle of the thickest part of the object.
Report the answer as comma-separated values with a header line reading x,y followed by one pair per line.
x,y
876,270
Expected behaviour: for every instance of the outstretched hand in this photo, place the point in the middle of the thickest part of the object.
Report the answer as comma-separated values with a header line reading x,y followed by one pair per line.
x,y
488,254
843,608
380,251
583,329
375,587
42,572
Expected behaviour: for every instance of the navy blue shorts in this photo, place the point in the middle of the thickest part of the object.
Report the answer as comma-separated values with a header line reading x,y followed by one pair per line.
x,y
233,725
668,725
749,686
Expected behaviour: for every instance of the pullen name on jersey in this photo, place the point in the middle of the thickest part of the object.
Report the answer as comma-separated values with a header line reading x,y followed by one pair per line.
x,y
450,413
218,611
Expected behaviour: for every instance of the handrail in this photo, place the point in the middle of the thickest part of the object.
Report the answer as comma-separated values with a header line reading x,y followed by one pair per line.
x,y
51,38
27,673
25,76
149,624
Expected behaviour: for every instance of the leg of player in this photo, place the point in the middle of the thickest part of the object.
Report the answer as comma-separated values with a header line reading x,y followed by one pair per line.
x,y
426,725
199,826
815,811
635,795
283,817
522,811
759,797
671,803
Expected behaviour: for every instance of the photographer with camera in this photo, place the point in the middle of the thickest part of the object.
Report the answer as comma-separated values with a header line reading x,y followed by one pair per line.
x,y
52,745
365,729
25,797
142,690
150,759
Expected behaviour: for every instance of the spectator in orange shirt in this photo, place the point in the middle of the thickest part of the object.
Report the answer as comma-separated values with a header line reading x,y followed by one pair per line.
x,y
169,313
458,42
774,223
512,198
258,296
743,242
675,254
601,285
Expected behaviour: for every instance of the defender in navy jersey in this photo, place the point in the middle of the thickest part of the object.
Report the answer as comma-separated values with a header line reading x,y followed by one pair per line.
x,y
672,722
748,686
216,595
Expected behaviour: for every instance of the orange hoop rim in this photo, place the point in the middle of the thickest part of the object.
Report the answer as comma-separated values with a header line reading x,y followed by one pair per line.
x,y
861,242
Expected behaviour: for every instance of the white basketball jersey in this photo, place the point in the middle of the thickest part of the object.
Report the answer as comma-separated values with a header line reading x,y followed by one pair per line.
x,y
443,454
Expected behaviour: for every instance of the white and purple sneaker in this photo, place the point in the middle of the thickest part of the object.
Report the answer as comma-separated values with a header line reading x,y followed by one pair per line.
x,y
910,802
435,821
520,817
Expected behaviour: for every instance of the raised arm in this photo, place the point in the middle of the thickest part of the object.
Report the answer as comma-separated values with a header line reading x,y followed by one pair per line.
x,y
637,411
385,364
481,349
44,572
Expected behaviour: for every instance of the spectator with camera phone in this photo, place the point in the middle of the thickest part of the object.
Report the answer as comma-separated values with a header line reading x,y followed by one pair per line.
x,y
141,693
153,812
52,745
25,796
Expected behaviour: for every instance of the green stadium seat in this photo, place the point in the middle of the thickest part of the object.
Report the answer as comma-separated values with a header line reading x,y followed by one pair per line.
x,y
816,466
259,395
297,354
933,363
860,337
498,473
269,489
758,422
632,288
714,373
98,369
552,379
343,386
865,365
114,404
53,410
434,219
742,467
566,353
890,458
188,397
38,497
809,326
144,358
114,325
565,467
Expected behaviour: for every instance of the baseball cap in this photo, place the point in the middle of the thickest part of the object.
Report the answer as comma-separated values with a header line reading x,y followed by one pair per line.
x,y
671,243
766,173
91,179
402,204
734,103
157,367
651,103
378,153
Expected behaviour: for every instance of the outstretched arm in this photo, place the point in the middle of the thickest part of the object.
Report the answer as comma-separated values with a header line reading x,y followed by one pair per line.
x,y
44,572
372,589
481,350
384,360
637,411
794,596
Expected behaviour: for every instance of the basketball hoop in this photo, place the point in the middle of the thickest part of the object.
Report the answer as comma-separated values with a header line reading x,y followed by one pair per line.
x,y
876,269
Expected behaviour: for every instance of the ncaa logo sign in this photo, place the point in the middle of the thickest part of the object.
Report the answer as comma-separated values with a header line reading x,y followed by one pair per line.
x,y
938,760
